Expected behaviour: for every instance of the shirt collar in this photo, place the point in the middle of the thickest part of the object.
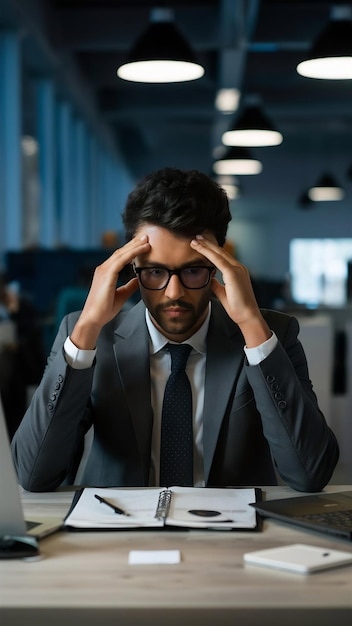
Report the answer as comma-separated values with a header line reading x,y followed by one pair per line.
x,y
158,341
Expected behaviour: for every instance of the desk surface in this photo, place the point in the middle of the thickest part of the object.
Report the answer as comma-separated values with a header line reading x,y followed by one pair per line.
x,y
86,576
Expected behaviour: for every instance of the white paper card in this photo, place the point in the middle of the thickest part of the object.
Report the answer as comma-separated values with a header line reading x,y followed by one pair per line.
x,y
144,557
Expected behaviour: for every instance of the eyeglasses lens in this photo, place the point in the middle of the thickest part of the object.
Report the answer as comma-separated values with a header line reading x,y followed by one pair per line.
x,y
190,277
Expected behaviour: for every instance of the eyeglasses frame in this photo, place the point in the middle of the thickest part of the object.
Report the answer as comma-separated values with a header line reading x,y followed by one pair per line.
x,y
177,272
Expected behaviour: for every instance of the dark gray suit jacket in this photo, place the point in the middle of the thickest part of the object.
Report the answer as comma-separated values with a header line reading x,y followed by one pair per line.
x,y
255,417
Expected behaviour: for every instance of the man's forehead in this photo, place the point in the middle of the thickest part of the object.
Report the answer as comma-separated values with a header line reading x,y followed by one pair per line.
x,y
155,231
168,248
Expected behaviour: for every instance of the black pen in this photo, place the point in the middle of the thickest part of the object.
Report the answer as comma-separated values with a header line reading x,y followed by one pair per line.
x,y
116,509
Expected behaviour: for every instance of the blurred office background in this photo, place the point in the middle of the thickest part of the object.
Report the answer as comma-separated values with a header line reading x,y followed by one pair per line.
x,y
75,137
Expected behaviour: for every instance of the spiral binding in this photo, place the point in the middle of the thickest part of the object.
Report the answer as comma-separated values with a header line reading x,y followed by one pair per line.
x,y
164,502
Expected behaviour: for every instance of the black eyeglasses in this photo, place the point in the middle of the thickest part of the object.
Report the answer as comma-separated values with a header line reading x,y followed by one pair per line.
x,y
192,277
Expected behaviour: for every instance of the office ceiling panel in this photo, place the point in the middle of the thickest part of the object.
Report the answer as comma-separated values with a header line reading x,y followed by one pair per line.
x,y
251,45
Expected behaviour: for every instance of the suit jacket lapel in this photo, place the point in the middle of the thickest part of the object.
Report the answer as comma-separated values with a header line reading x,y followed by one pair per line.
x,y
132,346
225,358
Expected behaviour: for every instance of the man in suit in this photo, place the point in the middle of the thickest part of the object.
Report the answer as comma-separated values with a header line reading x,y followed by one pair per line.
x,y
254,410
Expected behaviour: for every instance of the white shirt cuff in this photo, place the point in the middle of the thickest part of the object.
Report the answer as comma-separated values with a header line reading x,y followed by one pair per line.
x,y
259,353
76,358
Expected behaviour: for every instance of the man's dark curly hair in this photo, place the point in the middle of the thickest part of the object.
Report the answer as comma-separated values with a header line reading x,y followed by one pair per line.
x,y
184,202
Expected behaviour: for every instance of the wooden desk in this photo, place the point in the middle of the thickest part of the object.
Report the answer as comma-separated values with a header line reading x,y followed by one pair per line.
x,y
84,578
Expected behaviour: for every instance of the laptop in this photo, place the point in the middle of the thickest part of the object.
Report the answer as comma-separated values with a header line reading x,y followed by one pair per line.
x,y
18,537
329,513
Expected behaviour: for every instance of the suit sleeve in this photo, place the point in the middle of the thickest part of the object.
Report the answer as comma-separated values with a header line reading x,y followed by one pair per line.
x,y
303,447
50,437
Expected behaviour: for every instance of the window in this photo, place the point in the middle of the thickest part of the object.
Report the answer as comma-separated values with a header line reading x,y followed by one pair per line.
x,y
319,271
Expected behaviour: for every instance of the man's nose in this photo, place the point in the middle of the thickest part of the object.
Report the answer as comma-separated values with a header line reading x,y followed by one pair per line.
x,y
174,288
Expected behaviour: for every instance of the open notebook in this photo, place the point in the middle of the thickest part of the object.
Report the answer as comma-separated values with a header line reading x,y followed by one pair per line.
x,y
18,537
157,507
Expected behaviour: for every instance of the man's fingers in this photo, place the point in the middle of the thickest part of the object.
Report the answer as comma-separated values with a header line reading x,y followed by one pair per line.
x,y
121,257
212,251
129,251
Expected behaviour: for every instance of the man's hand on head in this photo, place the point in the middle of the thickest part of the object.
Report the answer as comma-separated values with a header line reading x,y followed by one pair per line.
x,y
105,299
236,293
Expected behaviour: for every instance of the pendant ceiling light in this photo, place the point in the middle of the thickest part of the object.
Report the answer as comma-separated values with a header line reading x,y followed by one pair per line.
x,y
253,128
161,54
331,55
238,162
326,189
227,100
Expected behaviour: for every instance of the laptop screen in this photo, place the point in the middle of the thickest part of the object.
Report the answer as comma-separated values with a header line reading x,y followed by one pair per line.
x,y
11,516
12,519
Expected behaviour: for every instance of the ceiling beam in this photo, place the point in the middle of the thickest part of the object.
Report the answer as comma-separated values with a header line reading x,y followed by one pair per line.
x,y
236,27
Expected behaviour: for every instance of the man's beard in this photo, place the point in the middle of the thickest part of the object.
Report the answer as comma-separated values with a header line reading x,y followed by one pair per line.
x,y
179,326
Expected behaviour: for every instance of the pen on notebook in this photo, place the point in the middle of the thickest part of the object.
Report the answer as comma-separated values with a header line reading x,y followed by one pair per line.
x,y
116,509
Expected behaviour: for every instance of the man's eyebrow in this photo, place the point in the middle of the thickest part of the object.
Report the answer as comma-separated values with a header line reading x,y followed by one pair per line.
x,y
195,263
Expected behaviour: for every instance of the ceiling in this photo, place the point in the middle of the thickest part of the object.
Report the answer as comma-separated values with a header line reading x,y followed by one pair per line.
x,y
252,45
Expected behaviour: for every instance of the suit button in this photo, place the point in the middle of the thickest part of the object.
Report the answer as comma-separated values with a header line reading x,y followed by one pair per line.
x,y
53,396
57,386
282,404
275,386
50,406
270,379
278,395
60,378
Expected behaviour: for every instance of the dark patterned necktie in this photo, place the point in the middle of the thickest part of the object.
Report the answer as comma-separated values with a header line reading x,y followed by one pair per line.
x,y
176,453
